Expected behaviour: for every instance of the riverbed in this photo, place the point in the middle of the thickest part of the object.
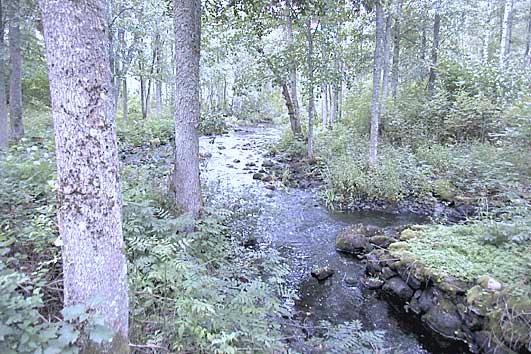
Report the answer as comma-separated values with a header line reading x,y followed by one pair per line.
x,y
295,222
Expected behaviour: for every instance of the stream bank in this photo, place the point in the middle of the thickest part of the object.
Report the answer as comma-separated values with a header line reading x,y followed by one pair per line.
x,y
293,221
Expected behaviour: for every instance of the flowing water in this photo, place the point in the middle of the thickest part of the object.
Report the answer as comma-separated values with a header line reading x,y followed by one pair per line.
x,y
295,222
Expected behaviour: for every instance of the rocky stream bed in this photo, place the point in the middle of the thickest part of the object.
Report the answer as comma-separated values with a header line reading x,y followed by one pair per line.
x,y
332,286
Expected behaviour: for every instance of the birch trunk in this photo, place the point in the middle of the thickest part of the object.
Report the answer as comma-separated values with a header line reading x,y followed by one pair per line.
x,y
435,48
488,32
395,72
505,45
311,98
386,57
158,84
376,79
527,53
15,82
125,99
89,192
186,184
4,122
296,124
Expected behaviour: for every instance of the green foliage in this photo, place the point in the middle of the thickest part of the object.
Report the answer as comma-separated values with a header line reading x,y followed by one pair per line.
x,y
151,132
351,338
212,124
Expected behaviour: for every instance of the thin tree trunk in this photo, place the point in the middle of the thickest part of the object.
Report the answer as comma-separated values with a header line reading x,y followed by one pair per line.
x,y
488,32
376,79
89,192
527,54
505,45
158,85
142,92
325,105
296,124
186,184
386,57
311,98
395,72
125,98
15,60
435,48
4,122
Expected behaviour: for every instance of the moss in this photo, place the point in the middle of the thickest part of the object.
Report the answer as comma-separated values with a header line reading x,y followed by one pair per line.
x,y
444,189
409,234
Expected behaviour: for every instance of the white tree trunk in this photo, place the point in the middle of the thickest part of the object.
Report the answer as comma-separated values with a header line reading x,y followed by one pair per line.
x,y
376,79
386,57
311,98
186,184
15,60
89,193
487,38
4,122
505,45
395,71
435,48
296,124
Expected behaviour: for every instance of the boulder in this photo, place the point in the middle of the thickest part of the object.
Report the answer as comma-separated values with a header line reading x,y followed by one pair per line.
x,y
258,176
267,163
372,283
373,266
322,273
388,273
396,287
355,239
381,240
444,319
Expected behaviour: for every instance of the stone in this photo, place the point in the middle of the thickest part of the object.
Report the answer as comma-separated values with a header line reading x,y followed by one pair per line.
x,y
250,164
452,286
267,163
388,273
410,278
270,187
444,319
372,283
258,176
373,266
443,189
381,240
489,283
322,273
354,239
236,161
396,287
351,281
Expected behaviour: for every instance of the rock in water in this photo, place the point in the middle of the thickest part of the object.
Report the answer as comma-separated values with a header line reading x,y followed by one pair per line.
x,y
355,239
397,287
372,283
322,273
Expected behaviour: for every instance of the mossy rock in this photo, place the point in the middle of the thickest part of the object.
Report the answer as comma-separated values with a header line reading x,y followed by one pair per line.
x,y
444,189
409,234
397,247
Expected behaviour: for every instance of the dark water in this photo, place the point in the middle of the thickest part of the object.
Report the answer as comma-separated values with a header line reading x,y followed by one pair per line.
x,y
294,222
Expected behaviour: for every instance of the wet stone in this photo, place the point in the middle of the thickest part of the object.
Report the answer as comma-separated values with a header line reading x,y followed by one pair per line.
x,y
398,288
388,273
322,273
351,281
372,283
258,176
444,319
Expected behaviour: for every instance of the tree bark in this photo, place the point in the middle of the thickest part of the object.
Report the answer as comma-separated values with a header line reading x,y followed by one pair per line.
x,y
15,82
158,84
4,122
311,98
527,53
89,192
324,105
186,184
386,56
435,48
488,32
292,82
376,79
395,72
507,25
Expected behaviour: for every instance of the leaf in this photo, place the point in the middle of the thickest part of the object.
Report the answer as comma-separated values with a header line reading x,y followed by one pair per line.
x,y
73,312
100,334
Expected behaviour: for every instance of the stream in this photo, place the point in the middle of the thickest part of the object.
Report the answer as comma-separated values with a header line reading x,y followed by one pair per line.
x,y
294,222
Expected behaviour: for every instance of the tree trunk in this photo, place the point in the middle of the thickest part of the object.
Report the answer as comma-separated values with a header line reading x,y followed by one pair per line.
x,y
89,192
505,45
386,57
435,48
395,72
15,60
488,32
376,78
292,84
324,89
125,98
186,184
142,92
527,54
158,84
4,122
311,98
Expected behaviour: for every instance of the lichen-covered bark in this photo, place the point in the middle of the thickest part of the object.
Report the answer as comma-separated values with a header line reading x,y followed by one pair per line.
x,y
186,185
507,26
15,61
89,193
4,123
376,79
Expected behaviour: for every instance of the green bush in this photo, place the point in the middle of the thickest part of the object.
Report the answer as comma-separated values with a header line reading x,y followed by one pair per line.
x,y
212,124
